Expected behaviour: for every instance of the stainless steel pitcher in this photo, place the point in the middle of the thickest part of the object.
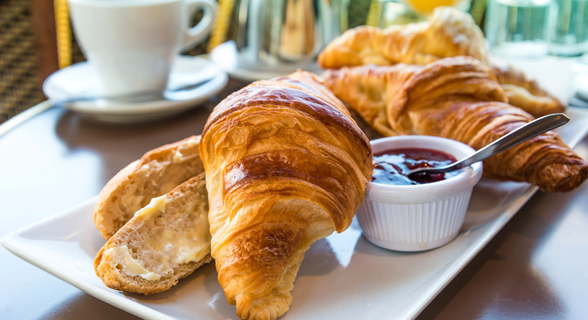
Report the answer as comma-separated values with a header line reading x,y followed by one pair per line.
x,y
283,35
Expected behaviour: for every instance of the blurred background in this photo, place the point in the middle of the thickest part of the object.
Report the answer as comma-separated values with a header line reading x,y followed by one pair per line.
x,y
36,37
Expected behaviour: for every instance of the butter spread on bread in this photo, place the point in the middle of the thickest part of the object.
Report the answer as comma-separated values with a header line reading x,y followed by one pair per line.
x,y
155,174
165,241
190,245
133,268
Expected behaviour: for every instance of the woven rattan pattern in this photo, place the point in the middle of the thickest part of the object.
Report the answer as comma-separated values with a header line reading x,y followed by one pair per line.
x,y
19,77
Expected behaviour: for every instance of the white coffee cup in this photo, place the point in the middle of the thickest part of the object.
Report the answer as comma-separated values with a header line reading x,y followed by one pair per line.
x,y
132,43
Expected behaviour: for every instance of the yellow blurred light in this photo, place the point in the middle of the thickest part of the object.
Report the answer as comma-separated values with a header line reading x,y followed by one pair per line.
x,y
427,6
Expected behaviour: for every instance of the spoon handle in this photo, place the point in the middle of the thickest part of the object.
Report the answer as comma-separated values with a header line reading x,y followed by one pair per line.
x,y
134,97
528,131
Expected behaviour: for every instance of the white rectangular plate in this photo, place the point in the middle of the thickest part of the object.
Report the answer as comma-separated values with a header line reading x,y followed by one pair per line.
x,y
342,276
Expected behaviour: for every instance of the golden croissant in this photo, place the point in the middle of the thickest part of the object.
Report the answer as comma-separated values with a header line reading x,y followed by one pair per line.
x,y
447,33
285,166
523,91
457,98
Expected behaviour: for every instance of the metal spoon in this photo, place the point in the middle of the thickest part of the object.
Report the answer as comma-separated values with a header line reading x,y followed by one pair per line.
x,y
524,133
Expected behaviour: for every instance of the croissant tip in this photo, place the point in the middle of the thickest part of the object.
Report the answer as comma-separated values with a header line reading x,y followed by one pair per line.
x,y
571,182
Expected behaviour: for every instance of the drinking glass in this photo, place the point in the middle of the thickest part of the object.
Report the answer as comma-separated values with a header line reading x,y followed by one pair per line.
x,y
519,28
385,13
570,28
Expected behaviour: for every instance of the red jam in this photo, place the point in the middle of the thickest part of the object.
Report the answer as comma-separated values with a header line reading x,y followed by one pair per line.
x,y
392,164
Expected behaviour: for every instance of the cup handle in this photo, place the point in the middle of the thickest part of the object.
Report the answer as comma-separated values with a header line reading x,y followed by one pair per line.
x,y
196,34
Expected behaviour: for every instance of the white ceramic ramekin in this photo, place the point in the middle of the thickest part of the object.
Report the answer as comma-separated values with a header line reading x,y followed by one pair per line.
x,y
418,217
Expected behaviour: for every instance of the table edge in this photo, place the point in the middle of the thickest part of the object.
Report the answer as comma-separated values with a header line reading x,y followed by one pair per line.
x,y
23,117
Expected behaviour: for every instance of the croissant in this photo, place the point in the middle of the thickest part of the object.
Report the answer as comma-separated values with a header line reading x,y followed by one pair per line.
x,y
523,91
457,98
447,33
285,166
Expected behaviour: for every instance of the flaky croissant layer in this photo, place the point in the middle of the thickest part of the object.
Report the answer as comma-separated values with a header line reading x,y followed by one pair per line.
x,y
285,166
457,98
447,33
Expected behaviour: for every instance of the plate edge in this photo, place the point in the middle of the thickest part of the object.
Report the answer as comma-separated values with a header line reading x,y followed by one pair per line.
x,y
528,194
440,285
23,117
127,305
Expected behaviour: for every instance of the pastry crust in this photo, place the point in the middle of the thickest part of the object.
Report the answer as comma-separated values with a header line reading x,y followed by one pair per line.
x,y
457,98
155,174
285,166
447,33
525,92
185,213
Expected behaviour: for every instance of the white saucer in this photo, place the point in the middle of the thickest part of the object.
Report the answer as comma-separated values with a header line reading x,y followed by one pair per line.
x,y
226,56
81,80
